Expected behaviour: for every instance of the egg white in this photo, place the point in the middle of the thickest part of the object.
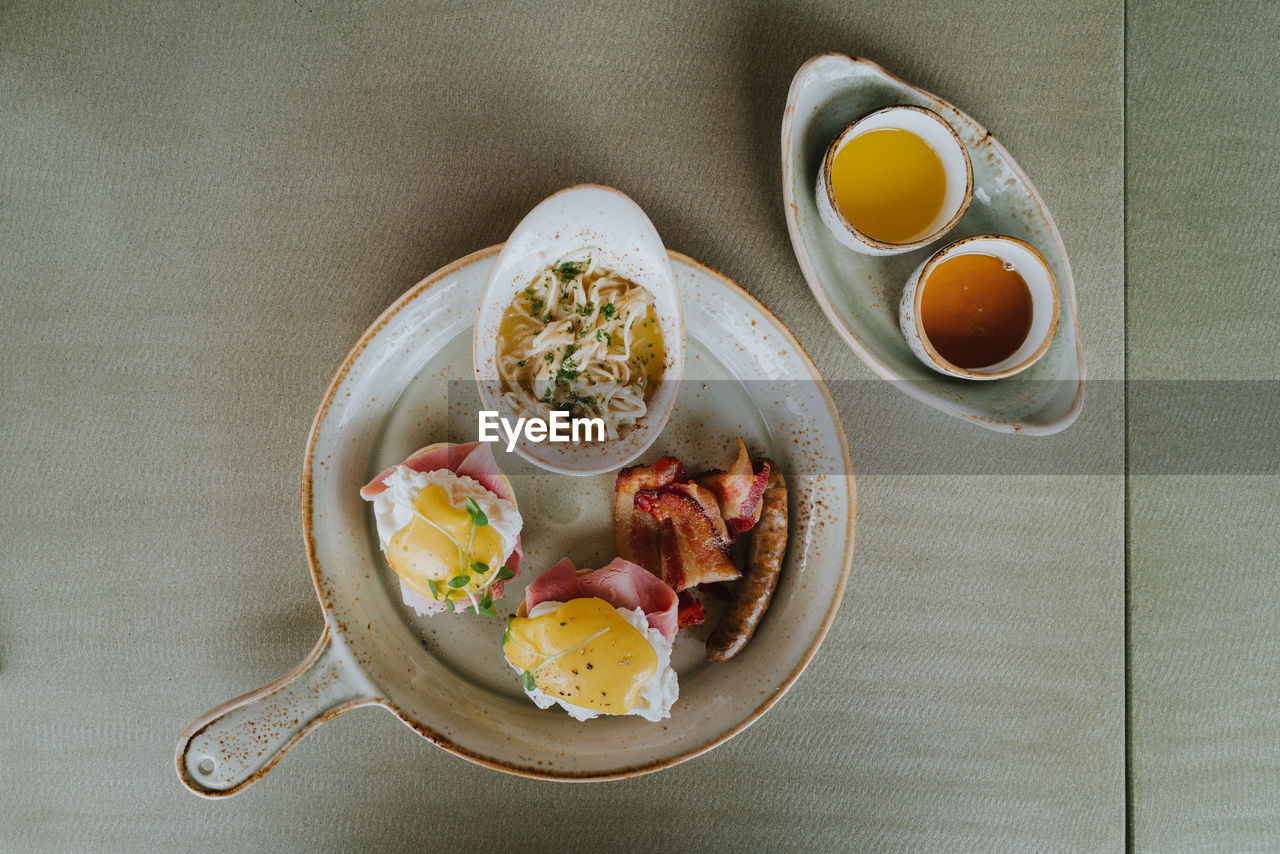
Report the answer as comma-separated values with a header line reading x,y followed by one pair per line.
x,y
393,510
654,701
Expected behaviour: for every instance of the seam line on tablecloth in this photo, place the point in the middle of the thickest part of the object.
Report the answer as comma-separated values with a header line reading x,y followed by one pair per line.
x,y
1124,336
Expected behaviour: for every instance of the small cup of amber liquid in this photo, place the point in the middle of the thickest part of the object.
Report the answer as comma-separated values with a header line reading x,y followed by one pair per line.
x,y
981,308
895,180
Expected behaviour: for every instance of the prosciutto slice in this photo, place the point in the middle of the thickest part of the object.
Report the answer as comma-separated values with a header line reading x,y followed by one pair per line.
x,y
474,460
621,583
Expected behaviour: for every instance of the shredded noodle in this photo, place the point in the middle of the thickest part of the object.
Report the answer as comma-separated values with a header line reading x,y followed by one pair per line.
x,y
580,338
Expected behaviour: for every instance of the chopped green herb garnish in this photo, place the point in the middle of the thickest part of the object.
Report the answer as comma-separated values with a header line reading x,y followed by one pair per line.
x,y
435,590
458,581
607,310
479,568
569,270
448,605
527,681
504,574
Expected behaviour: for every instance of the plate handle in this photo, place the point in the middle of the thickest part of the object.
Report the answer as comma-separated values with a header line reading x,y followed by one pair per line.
x,y
229,748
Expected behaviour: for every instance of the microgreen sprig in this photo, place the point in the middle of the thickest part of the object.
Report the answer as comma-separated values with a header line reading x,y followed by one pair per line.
x,y
478,519
483,605
467,568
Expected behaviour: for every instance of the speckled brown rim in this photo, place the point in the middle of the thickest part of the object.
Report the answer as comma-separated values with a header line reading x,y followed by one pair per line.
x,y
948,251
845,136
520,770
850,337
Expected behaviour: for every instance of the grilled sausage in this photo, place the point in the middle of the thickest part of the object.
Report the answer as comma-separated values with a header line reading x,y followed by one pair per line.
x,y
764,561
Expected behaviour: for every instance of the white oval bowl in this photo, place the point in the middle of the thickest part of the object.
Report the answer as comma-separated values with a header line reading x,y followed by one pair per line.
x,y
1028,263
623,240
939,135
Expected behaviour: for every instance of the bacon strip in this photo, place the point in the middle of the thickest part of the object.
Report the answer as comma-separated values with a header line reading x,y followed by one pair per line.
x,y
636,534
707,501
738,491
690,611
691,551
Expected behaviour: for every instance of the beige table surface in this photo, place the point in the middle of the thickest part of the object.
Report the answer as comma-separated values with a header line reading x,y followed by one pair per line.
x,y
203,207
1204,546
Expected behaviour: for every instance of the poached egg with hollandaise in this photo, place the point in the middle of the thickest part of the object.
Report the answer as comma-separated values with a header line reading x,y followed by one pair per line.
x,y
448,538
605,650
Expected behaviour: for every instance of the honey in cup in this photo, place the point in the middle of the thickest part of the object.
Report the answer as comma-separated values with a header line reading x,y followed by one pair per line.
x,y
889,184
975,309
982,308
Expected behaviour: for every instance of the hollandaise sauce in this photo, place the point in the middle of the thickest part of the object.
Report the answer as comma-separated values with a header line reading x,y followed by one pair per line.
x,y
446,552
975,310
889,184
584,653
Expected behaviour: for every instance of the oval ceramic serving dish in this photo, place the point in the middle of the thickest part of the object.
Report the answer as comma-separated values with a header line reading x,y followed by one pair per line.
x,y
409,382
860,293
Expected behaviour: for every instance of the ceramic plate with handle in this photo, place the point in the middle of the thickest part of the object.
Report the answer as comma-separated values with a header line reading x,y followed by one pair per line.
x,y
859,293
408,383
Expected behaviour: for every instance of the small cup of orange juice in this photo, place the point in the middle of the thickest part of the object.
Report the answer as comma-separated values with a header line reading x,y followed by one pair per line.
x,y
894,180
981,308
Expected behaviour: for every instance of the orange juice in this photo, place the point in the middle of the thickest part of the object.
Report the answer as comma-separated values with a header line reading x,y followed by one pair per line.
x,y
889,184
